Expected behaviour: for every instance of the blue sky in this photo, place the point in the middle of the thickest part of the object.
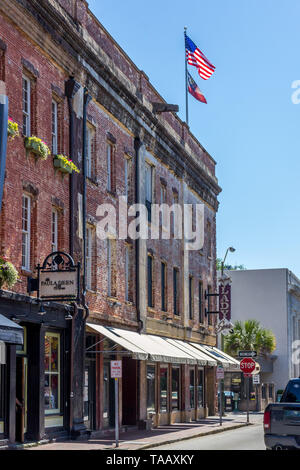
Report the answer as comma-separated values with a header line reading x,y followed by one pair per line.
x,y
250,125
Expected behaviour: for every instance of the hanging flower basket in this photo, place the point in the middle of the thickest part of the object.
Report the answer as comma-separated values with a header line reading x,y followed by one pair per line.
x,y
12,129
64,165
8,273
36,146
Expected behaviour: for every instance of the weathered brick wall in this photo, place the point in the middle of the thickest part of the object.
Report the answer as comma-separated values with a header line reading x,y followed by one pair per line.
x,y
48,188
25,173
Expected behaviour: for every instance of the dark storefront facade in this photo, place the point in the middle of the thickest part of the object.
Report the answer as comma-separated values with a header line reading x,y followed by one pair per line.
x,y
164,381
36,399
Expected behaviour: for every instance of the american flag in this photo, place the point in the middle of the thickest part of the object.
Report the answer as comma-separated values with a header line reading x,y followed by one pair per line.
x,y
195,57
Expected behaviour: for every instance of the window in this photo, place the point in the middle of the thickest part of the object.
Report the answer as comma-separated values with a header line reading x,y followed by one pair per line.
x,y
128,274
52,373
163,200
54,128
271,388
163,389
54,230
2,384
111,267
175,388
263,392
209,305
191,298
175,291
163,287
200,302
209,252
89,254
192,387
90,150
150,280
127,175
2,65
26,90
174,214
26,211
200,389
149,188
150,389
110,167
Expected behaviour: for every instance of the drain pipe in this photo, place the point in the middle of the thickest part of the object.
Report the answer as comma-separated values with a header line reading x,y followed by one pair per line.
x,y
71,88
137,146
86,99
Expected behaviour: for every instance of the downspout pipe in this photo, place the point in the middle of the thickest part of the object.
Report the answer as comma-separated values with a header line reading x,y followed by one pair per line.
x,y
137,146
3,141
71,88
86,99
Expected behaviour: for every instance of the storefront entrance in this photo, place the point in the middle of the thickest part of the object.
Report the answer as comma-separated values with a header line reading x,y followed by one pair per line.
x,y
21,397
108,397
129,391
89,394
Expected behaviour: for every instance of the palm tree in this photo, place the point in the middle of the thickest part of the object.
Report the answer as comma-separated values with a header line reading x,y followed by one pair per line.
x,y
250,335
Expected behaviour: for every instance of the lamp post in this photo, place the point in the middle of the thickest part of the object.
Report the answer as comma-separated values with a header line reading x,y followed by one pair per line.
x,y
232,250
221,382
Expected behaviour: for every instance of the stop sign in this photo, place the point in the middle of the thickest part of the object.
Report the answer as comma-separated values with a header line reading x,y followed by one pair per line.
x,y
247,365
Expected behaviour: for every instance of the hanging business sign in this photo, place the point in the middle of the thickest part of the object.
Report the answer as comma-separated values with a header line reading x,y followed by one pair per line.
x,y
224,301
58,278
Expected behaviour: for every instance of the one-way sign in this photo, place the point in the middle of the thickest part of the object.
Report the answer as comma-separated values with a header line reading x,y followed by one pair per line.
x,y
247,353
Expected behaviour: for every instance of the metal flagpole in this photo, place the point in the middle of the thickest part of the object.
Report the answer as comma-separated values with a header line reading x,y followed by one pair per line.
x,y
186,85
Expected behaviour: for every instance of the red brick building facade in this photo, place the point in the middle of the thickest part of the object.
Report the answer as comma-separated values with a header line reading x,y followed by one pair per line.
x,y
42,45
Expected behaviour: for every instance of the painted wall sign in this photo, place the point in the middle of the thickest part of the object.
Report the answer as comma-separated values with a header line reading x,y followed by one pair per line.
x,y
224,301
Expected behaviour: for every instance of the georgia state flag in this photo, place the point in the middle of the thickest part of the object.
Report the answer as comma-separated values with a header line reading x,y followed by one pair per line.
x,y
195,90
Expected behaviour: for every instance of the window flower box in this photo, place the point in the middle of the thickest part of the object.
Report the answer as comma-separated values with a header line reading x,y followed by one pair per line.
x,y
12,129
8,273
37,146
64,164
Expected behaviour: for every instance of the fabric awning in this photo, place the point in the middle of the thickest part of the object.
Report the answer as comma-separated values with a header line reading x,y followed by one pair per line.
x,y
10,332
201,358
145,347
112,334
161,349
221,357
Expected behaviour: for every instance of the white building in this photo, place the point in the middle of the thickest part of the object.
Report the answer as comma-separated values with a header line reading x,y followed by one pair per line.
x,y
271,296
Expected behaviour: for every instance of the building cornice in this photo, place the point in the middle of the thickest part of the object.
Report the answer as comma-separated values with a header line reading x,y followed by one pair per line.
x,y
109,87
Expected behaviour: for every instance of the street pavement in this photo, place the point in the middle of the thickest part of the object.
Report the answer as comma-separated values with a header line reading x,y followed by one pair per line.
x,y
135,439
248,438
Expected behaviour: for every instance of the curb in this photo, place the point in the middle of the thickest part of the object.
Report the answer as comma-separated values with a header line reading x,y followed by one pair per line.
x,y
171,441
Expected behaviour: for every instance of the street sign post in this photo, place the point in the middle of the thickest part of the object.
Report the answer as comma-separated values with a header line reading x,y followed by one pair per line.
x,y
256,379
220,378
247,366
116,373
220,373
247,353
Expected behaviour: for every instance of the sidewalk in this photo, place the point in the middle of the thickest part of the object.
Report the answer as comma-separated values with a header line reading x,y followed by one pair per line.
x,y
137,439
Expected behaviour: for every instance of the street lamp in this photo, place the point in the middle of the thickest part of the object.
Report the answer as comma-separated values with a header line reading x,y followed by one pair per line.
x,y
221,327
232,250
